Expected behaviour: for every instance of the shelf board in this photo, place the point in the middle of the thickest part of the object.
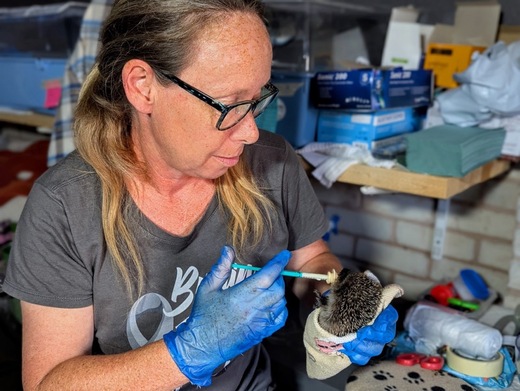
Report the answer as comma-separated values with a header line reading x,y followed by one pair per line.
x,y
399,180
28,119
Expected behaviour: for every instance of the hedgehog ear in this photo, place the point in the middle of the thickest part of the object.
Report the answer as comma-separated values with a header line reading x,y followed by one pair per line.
x,y
372,276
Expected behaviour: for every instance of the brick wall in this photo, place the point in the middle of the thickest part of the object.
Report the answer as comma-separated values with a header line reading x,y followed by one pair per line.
x,y
391,234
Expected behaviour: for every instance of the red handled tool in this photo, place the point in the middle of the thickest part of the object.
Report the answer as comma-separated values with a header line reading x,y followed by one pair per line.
x,y
433,363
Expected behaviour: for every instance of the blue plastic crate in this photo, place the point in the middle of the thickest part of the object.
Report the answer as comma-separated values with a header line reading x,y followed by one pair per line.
x,y
297,118
28,83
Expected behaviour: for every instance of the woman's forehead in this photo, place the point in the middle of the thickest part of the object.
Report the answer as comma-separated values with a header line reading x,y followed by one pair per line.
x,y
238,45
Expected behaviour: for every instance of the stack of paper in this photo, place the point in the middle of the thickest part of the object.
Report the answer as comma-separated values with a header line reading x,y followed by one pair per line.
x,y
449,150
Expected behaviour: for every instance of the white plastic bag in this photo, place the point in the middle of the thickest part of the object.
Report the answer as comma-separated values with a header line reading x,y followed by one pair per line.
x,y
489,86
431,327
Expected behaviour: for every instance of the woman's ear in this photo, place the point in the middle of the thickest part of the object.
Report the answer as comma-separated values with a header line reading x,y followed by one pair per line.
x,y
139,83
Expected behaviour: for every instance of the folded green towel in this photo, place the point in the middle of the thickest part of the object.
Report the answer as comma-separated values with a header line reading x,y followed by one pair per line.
x,y
450,150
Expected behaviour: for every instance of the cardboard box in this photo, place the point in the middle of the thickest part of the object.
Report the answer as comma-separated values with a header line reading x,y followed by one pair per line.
x,y
446,59
406,40
451,48
338,126
508,34
372,89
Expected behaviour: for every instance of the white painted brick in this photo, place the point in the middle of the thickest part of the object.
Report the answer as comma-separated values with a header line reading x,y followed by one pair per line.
x,y
473,194
392,257
341,244
402,206
482,221
516,243
513,174
392,217
363,223
350,263
514,275
414,288
414,235
459,246
496,254
448,270
384,275
341,194
511,299
503,194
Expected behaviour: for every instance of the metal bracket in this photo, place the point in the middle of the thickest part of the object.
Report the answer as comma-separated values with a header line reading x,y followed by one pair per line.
x,y
439,230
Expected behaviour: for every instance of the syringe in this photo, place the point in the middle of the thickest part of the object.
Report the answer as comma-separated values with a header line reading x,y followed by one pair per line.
x,y
330,277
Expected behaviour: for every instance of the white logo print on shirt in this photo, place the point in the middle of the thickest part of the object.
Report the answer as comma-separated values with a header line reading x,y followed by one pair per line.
x,y
185,284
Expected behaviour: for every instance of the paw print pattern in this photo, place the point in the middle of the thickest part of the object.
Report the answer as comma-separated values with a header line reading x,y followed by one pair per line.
x,y
382,375
413,378
391,388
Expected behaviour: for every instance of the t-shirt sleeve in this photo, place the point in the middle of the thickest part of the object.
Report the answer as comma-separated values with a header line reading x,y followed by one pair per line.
x,y
44,266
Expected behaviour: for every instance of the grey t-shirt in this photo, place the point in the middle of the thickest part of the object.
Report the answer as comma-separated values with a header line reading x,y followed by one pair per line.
x,y
59,257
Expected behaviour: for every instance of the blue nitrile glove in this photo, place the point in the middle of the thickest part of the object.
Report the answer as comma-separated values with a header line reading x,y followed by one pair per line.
x,y
371,340
226,323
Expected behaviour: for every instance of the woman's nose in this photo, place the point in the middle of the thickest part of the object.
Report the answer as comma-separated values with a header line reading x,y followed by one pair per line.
x,y
246,131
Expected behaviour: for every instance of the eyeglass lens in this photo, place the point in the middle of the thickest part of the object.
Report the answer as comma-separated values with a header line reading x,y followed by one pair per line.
x,y
237,113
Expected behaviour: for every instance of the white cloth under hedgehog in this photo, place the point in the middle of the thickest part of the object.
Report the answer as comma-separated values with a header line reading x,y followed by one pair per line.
x,y
324,358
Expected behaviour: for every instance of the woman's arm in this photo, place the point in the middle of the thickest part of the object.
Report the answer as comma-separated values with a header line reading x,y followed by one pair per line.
x,y
313,258
57,356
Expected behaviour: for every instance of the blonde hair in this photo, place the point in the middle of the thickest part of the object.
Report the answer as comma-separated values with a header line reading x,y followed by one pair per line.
x,y
160,32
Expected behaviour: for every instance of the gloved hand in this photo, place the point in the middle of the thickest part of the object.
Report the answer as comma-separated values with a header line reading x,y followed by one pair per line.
x,y
226,323
371,340
328,354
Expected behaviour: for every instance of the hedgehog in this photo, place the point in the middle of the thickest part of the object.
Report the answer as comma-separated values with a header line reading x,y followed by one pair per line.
x,y
351,304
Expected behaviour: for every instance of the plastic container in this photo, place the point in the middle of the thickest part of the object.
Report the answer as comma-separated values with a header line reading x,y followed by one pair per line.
x,y
469,285
49,31
441,293
32,84
309,36
297,118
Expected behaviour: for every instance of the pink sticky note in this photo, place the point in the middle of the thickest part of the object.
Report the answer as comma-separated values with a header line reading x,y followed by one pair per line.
x,y
52,96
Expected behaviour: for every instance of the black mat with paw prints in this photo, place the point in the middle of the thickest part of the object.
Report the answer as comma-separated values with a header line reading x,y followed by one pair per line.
x,y
387,375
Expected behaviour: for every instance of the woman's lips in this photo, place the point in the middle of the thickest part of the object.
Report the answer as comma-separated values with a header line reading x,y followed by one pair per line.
x,y
228,161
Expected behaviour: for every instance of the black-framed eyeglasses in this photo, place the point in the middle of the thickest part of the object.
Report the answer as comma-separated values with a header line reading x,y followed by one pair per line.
x,y
231,114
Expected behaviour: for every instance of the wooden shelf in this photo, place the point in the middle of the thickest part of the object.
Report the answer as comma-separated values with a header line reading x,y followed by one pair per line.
x,y
31,119
400,180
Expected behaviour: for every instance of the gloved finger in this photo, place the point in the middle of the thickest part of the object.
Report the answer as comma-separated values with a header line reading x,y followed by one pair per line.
x,y
380,336
388,317
278,309
358,359
363,348
268,275
383,332
263,300
277,316
220,271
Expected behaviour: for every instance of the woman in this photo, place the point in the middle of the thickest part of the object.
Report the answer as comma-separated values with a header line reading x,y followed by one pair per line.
x,y
170,175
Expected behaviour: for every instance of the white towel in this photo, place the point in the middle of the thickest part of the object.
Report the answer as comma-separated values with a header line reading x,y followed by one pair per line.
x,y
331,160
